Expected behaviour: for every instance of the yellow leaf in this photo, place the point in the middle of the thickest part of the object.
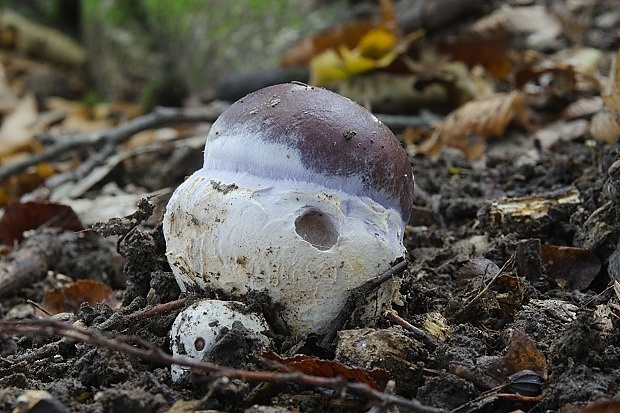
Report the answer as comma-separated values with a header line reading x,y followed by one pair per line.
x,y
376,43
326,67
354,63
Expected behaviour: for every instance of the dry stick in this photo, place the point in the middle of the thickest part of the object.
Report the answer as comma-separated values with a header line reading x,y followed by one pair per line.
x,y
119,321
354,297
138,347
159,117
417,333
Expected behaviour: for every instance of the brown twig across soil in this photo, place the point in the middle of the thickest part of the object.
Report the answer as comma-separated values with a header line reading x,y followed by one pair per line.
x,y
110,138
138,347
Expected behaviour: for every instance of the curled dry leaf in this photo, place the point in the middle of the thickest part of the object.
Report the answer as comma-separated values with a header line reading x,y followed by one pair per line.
x,y
70,298
19,217
375,378
479,118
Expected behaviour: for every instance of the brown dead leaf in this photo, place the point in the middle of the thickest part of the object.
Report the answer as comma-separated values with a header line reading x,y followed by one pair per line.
x,y
541,27
583,107
490,372
347,35
602,406
24,182
489,49
523,355
18,127
572,268
19,217
347,50
80,117
375,378
605,125
8,100
560,76
477,119
69,298
480,269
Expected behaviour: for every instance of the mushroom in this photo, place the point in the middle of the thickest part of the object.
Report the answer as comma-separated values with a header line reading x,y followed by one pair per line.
x,y
303,195
196,329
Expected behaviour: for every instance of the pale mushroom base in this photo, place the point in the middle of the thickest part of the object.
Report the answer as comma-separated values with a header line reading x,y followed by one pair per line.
x,y
307,247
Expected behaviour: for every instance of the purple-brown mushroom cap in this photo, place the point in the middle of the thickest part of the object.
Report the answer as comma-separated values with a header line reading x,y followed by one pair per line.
x,y
314,135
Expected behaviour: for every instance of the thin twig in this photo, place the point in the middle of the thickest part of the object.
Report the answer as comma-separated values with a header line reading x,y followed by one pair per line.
x,y
138,347
490,283
361,291
159,117
418,333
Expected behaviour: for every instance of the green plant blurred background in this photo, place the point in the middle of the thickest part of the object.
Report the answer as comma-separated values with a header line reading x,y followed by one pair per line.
x,y
135,48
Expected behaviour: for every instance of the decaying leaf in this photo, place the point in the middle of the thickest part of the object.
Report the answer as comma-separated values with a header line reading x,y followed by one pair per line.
x,y
583,107
510,299
561,131
494,371
605,125
523,355
19,217
80,117
347,50
69,298
375,378
572,268
477,119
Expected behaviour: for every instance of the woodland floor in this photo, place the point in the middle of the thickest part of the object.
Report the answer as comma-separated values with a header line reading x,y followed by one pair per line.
x,y
495,316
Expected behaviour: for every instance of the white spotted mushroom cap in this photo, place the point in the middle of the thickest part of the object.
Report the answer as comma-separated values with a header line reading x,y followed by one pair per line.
x,y
196,328
303,194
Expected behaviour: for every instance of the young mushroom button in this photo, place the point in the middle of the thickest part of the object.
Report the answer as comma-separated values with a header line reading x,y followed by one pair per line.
x,y
304,195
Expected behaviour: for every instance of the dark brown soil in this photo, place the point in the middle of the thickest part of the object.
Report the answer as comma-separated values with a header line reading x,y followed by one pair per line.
x,y
577,335
497,325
